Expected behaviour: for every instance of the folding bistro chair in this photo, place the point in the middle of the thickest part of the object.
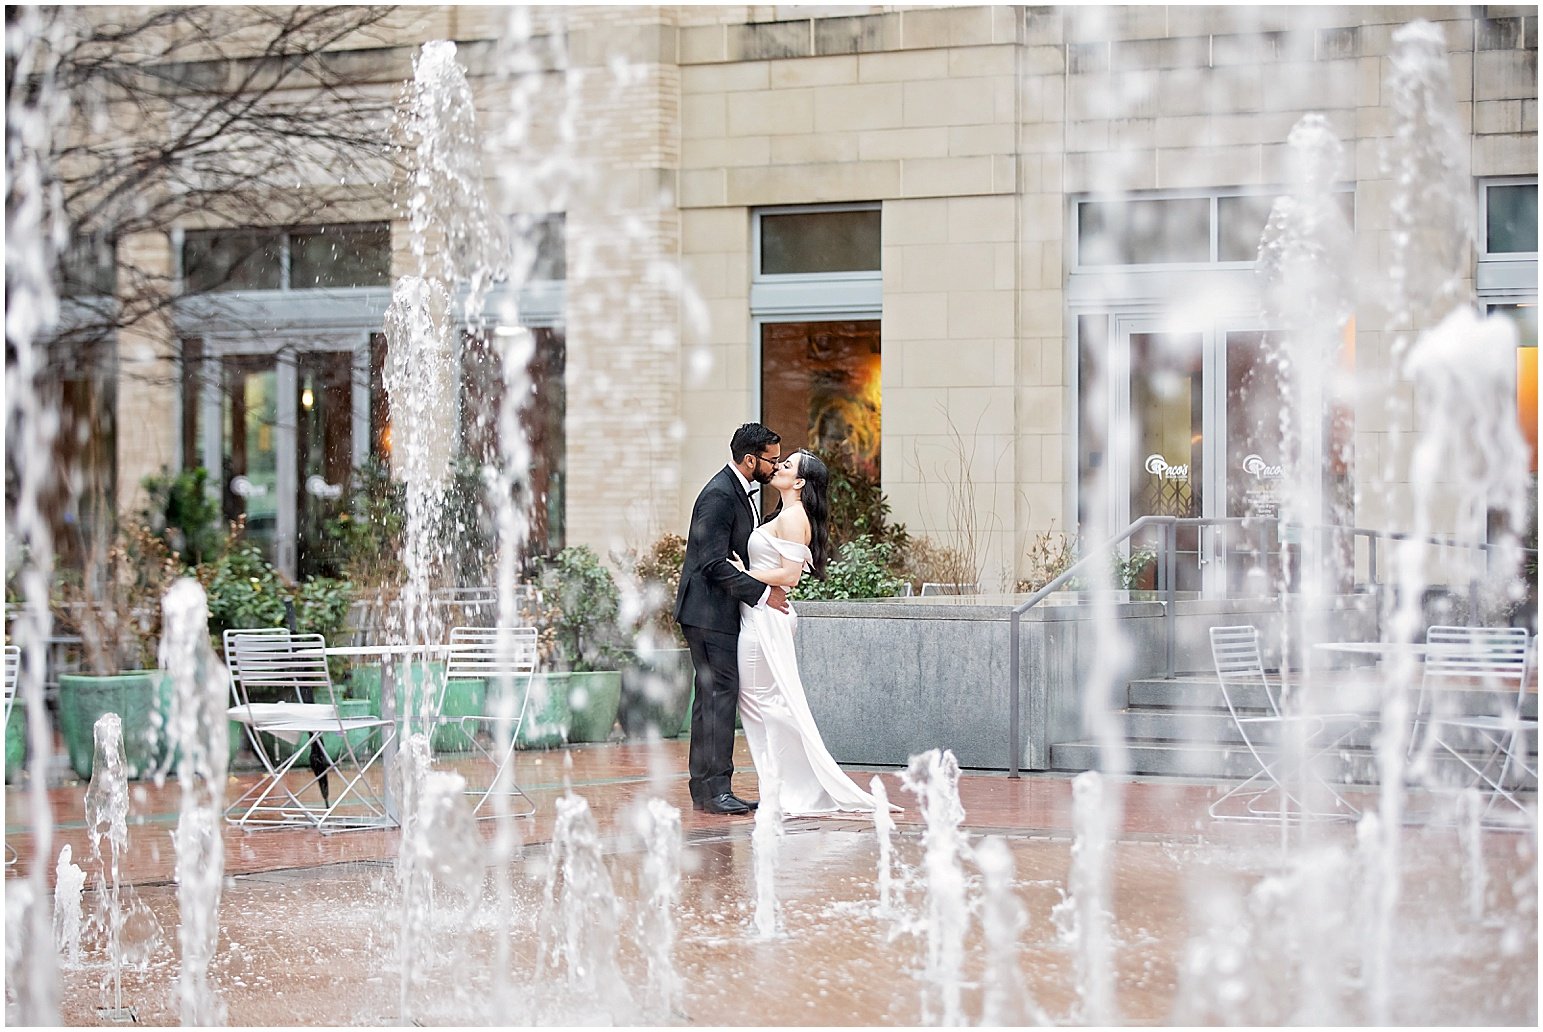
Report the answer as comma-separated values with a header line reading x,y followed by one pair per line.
x,y
1485,666
504,657
12,678
294,668
1285,778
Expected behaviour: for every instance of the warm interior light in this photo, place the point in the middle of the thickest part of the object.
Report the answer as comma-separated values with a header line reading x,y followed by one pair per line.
x,y
1527,398
307,399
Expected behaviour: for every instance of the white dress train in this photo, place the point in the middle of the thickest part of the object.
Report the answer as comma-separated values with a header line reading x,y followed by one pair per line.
x,y
779,728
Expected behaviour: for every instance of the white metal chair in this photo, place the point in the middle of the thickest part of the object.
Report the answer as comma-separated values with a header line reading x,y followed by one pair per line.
x,y
294,668
12,678
1287,776
1484,667
504,657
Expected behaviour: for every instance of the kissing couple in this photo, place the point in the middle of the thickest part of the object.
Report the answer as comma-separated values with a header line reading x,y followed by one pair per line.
x,y
733,608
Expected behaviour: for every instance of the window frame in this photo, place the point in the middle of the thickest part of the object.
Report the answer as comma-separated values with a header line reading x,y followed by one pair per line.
x,y
1213,194
283,234
757,214
1485,254
1502,277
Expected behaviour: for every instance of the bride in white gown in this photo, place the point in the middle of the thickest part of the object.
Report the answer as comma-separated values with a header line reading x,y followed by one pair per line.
x,y
778,726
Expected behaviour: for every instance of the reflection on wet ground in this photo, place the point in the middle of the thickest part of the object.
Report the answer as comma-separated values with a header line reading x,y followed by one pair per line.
x,y
309,923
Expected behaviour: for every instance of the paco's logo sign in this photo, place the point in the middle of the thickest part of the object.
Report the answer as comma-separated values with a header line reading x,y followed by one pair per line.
x,y
1159,467
1259,469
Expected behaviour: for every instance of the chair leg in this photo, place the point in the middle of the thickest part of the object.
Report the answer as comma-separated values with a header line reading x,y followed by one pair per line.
x,y
1279,777
503,782
354,786
295,814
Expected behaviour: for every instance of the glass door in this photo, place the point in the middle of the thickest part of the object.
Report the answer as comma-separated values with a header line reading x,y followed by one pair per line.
x,y
292,426
249,461
1164,378
1197,429
820,389
1258,425
325,454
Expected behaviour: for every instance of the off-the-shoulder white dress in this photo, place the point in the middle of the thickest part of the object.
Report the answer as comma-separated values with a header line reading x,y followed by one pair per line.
x,y
779,728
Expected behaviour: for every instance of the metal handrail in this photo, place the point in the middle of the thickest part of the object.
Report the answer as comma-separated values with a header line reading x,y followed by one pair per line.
x,y
1167,582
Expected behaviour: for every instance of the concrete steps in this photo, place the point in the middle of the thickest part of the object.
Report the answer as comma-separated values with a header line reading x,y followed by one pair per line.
x,y
1181,727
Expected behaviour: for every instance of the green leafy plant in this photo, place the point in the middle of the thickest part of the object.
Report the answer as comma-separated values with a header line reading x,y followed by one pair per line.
x,y
861,569
366,537
581,603
245,590
183,513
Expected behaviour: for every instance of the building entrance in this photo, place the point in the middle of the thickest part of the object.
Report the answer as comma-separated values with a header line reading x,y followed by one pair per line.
x,y
1196,424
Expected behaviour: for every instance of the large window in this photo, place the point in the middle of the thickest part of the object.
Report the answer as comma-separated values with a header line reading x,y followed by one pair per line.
x,y
820,389
816,295
542,419
88,268
298,258
1206,229
815,242
1510,218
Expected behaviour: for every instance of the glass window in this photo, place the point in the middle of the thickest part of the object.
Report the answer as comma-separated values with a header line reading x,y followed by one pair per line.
x,y
820,241
541,240
88,268
1511,218
1239,225
1145,232
820,389
231,259
1240,221
340,256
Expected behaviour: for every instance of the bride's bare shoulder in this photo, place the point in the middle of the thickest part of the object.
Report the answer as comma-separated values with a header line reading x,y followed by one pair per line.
x,y
793,525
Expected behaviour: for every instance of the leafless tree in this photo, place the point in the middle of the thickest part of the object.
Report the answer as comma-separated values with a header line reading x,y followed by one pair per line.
x,y
193,116
211,117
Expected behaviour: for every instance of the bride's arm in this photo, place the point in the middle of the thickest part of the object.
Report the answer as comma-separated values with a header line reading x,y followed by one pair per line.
x,y
786,576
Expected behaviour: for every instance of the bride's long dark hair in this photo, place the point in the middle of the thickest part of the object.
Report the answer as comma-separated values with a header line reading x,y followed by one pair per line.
x,y
816,499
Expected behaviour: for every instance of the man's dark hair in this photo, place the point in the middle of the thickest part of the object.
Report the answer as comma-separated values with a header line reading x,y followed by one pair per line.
x,y
752,439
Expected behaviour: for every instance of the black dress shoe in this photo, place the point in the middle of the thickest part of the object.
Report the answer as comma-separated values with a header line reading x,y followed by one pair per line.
x,y
726,803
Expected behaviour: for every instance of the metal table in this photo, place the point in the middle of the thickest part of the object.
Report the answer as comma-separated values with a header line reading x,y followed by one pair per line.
x,y
385,653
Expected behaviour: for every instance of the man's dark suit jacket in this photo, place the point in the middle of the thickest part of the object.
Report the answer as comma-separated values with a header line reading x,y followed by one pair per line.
x,y
721,523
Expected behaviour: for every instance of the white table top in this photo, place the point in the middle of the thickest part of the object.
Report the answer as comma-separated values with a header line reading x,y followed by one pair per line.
x,y
383,650
1417,649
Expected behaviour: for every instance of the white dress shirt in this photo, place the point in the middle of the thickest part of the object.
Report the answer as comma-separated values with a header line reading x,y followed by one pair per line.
x,y
747,488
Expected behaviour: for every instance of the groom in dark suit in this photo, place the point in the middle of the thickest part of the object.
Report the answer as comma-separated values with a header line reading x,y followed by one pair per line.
x,y
707,609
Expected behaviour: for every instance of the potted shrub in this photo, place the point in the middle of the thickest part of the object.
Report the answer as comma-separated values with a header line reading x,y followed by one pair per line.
x,y
656,674
580,605
245,590
114,606
16,742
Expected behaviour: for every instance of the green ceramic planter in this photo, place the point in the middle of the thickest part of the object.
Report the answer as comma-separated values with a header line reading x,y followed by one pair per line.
x,y
141,698
16,743
685,727
362,740
279,750
656,694
461,698
547,716
593,699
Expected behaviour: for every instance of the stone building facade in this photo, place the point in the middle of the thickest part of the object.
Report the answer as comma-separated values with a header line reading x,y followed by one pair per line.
x,y
707,153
